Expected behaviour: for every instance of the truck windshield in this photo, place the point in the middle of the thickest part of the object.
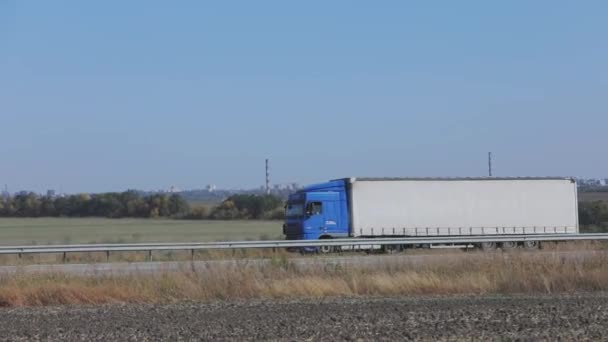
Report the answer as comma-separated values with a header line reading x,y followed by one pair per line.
x,y
294,209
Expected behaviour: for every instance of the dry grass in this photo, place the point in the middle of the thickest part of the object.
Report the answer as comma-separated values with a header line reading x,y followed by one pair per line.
x,y
476,273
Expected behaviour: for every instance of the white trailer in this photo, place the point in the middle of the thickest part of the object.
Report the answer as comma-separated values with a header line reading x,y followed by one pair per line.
x,y
461,206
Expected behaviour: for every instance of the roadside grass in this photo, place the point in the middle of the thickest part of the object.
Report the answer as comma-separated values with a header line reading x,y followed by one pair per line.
x,y
45,231
473,274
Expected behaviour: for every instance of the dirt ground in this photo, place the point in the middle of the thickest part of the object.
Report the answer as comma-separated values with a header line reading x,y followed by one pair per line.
x,y
577,317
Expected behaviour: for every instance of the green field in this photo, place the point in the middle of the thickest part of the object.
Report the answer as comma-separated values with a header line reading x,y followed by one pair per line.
x,y
39,231
593,196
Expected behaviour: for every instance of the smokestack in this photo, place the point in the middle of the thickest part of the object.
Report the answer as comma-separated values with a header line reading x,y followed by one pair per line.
x,y
490,164
267,177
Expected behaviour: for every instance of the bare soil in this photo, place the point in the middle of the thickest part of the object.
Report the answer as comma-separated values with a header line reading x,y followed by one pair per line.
x,y
580,317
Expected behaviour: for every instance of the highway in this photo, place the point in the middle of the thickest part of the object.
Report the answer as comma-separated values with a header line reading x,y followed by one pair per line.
x,y
347,243
359,261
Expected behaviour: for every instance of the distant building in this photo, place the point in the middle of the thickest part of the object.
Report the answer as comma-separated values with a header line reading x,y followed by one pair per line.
x,y
211,187
592,182
51,193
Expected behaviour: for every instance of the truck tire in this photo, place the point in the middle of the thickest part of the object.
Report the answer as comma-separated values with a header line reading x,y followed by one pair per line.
x,y
326,249
390,249
488,246
508,245
531,244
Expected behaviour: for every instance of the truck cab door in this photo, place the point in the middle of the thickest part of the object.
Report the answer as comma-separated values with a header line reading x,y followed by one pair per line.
x,y
315,222
322,218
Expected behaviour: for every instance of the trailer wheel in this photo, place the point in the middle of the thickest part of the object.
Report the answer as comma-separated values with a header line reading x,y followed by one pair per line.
x,y
531,244
488,245
508,245
390,249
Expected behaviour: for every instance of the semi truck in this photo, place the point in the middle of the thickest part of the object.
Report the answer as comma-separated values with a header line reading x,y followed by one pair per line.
x,y
409,207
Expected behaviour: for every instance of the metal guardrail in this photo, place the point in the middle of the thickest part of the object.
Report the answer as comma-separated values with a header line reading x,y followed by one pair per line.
x,y
149,247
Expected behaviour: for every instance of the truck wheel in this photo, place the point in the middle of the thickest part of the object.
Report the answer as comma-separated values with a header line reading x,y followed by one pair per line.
x,y
326,249
488,246
390,249
508,245
531,244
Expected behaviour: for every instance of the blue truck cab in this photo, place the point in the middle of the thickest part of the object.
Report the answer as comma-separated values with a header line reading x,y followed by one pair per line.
x,y
318,211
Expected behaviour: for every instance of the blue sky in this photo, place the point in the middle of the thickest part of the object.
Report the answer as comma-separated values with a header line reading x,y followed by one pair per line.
x,y
110,95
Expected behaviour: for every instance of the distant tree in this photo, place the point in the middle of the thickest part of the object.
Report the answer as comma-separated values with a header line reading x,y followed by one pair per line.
x,y
26,205
593,213
247,206
177,206
225,211
199,212
47,206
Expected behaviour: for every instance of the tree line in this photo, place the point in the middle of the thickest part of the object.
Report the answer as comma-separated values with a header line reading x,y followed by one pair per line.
x,y
112,205
135,204
593,216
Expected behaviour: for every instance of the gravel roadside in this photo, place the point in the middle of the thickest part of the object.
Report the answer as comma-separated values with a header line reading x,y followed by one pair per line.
x,y
583,317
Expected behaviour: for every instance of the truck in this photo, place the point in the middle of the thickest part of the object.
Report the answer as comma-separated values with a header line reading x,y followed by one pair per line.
x,y
419,207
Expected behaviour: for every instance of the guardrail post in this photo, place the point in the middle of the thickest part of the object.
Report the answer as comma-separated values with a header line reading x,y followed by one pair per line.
x,y
65,256
19,255
150,255
108,256
192,254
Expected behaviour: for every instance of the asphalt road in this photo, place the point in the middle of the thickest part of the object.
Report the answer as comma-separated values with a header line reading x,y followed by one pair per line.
x,y
569,318
360,261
